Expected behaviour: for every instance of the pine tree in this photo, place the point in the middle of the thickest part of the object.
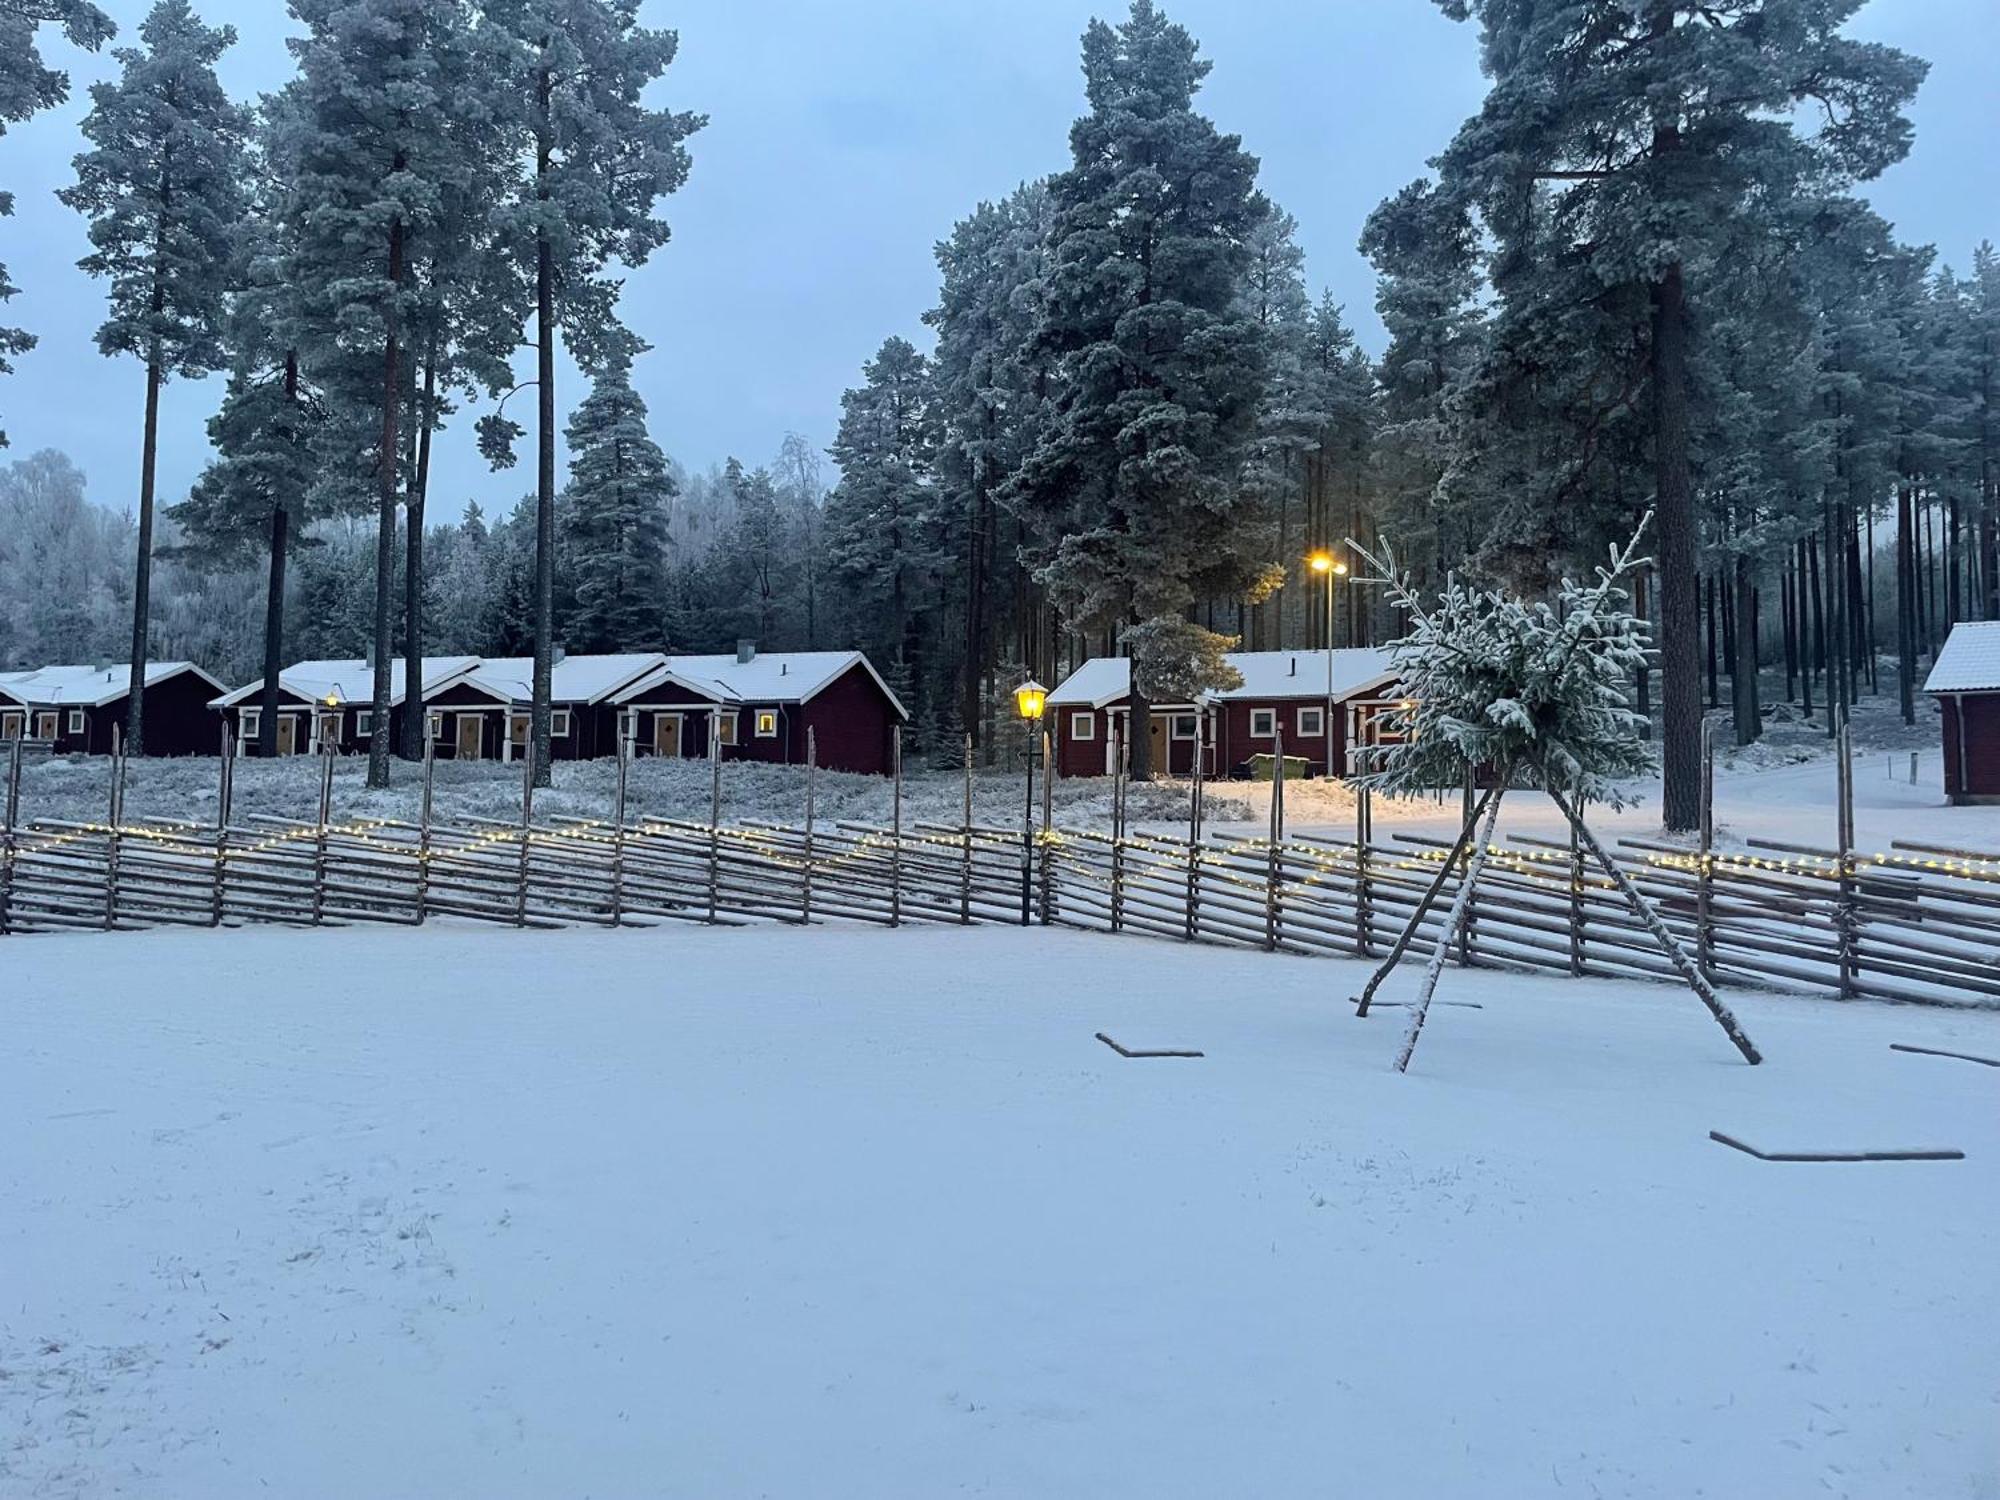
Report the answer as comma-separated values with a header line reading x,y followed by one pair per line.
x,y
163,192
27,86
1156,369
1626,152
381,127
598,159
883,547
619,489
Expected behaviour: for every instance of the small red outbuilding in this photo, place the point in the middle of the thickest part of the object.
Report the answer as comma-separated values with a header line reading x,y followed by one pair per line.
x,y
1965,680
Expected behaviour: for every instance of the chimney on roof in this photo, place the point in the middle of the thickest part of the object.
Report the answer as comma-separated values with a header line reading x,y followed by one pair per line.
x,y
746,652
556,653
1295,667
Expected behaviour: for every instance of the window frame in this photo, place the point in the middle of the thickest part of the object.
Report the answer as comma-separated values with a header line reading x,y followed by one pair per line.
x,y
725,729
562,723
249,723
364,723
1082,724
1269,716
1318,711
759,719
1193,723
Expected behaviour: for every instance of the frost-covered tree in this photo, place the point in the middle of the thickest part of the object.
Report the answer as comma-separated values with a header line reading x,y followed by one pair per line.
x,y
27,86
1626,153
1156,368
162,187
1513,688
596,160
383,123
619,490
881,538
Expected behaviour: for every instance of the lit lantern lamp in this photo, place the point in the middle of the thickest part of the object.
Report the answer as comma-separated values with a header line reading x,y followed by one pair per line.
x,y
1332,569
1031,699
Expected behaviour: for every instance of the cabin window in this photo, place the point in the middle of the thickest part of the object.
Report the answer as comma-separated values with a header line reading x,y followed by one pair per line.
x,y
1263,723
45,726
517,729
1312,722
1083,726
434,725
767,723
252,722
364,723
725,729
10,726
559,723
1184,726
76,721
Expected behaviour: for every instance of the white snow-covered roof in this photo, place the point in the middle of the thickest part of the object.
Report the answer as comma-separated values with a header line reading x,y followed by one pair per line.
x,y
89,687
574,679
1970,660
352,680
1266,674
768,677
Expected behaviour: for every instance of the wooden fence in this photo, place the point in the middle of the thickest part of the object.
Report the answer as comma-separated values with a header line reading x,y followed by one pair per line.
x,y
1915,923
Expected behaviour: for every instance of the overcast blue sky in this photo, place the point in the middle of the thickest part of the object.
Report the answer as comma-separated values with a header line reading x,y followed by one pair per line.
x,y
843,142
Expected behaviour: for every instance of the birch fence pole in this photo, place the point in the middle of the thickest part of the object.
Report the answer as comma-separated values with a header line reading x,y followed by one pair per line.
x,y
714,814
1117,831
624,751
1048,833
896,826
319,836
1847,923
1416,919
806,875
1643,910
424,814
1275,835
1460,906
965,870
1704,890
224,789
13,813
1576,950
115,817
1364,906
1193,918
527,828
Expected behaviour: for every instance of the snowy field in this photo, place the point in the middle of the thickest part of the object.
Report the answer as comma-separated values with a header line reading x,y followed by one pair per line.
x,y
705,1213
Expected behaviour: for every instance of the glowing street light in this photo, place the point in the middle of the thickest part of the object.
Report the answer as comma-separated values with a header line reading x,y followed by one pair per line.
x,y
1031,700
1331,569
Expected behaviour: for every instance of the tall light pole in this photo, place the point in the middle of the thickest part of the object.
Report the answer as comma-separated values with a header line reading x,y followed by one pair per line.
x,y
1030,700
1333,569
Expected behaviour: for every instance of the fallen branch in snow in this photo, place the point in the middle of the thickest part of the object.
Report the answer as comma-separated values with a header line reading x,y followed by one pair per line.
x,y
1749,1150
1142,1052
1991,1062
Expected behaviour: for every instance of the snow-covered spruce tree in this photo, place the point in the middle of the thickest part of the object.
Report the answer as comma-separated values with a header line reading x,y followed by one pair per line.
x,y
28,85
1132,489
1535,691
596,159
619,489
163,190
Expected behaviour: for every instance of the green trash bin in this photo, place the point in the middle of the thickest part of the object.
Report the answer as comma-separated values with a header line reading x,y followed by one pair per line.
x,y
1263,767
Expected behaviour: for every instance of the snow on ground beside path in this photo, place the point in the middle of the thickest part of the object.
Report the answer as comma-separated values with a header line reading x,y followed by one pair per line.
x,y
697,1212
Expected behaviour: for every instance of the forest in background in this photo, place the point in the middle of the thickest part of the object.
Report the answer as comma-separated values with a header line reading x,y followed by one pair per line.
x,y
1136,419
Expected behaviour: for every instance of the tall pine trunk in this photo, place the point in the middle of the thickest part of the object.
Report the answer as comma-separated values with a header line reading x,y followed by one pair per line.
x,y
142,573
387,459
1680,579
545,434
414,716
274,587
1906,606
1743,679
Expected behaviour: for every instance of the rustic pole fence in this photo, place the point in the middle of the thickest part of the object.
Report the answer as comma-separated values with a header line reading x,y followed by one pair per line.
x,y
1118,773
224,797
1847,925
965,842
1191,925
1704,898
896,826
806,871
714,814
1364,835
320,837
115,818
1274,843
527,832
618,826
7,826
1049,905
426,809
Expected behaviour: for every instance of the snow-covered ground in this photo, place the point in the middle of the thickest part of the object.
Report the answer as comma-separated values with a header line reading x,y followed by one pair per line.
x,y
696,1212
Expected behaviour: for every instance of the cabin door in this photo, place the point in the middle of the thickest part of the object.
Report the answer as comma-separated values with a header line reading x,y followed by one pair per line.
x,y
288,734
1156,734
471,741
11,725
667,734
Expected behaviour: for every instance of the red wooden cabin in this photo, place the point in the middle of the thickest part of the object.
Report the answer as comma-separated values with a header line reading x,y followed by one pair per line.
x,y
79,710
1965,680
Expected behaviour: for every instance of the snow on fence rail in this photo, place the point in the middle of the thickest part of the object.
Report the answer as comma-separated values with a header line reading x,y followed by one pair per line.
x,y
1916,923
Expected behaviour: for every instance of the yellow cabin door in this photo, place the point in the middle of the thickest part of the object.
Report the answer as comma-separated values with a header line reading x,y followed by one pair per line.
x,y
471,741
667,734
288,734
1157,733
11,725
